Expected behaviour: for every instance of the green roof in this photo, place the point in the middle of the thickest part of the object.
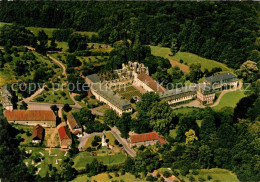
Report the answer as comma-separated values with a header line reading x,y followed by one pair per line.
x,y
94,78
111,96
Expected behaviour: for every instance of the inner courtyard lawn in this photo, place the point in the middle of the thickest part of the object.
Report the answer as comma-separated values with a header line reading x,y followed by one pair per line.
x,y
128,91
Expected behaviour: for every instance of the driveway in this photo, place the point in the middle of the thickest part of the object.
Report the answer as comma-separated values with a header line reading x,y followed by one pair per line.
x,y
82,140
123,141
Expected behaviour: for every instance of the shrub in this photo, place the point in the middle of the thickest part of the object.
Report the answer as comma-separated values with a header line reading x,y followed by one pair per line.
x,y
63,93
77,98
195,172
209,177
166,174
40,99
181,61
201,179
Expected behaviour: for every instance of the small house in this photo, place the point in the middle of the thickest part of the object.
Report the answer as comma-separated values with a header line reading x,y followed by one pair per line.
x,y
38,134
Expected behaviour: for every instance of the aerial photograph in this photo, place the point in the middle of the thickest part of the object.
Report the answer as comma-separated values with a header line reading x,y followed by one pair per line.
x,y
129,91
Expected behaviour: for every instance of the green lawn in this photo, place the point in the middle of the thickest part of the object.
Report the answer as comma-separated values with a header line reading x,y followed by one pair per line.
x,y
36,30
128,92
89,34
63,45
103,177
3,23
221,175
230,99
47,158
189,58
83,158
55,97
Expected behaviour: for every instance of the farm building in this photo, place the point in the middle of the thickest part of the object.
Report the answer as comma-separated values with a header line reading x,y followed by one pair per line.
x,y
38,134
146,139
45,118
65,137
74,125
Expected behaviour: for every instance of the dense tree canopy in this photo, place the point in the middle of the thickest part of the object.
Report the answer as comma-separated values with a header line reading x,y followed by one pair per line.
x,y
225,32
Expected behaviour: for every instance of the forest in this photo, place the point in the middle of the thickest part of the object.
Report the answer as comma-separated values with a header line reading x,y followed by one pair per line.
x,y
226,32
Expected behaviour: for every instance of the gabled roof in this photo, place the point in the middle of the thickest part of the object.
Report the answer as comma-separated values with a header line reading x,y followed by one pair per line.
x,y
144,137
111,96
64,133
220,77
30,115
72,122
94,78
150,82
37,132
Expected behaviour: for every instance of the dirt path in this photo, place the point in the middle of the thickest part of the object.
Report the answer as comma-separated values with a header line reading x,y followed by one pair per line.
x,y
182,67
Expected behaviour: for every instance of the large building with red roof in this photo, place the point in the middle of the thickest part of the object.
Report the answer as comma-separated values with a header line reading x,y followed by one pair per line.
x,y
65,137
148,83
45,118
146,139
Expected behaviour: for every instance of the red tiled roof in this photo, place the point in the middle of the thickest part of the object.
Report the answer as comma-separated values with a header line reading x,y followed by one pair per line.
x,y
161,140
150,82
29,115
144,137
64,133
76,132
37,132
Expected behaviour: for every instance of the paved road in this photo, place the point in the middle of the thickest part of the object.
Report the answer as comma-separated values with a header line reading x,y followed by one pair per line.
x,y
85,138
123,141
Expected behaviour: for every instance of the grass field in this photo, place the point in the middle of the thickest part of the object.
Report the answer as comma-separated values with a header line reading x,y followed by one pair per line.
x,y
189,58
63,45
55,97
48,31
128,92
217,174
83,158
47,158
103,177
230,99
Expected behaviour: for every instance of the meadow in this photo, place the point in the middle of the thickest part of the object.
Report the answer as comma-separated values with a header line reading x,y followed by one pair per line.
x,y
188,58
83,158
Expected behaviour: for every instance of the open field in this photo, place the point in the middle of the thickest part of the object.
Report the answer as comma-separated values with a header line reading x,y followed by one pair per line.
x,y
103,177
83,158
217,174
128,92
188,58
230,99
48,31
54,97
59,154
63,45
